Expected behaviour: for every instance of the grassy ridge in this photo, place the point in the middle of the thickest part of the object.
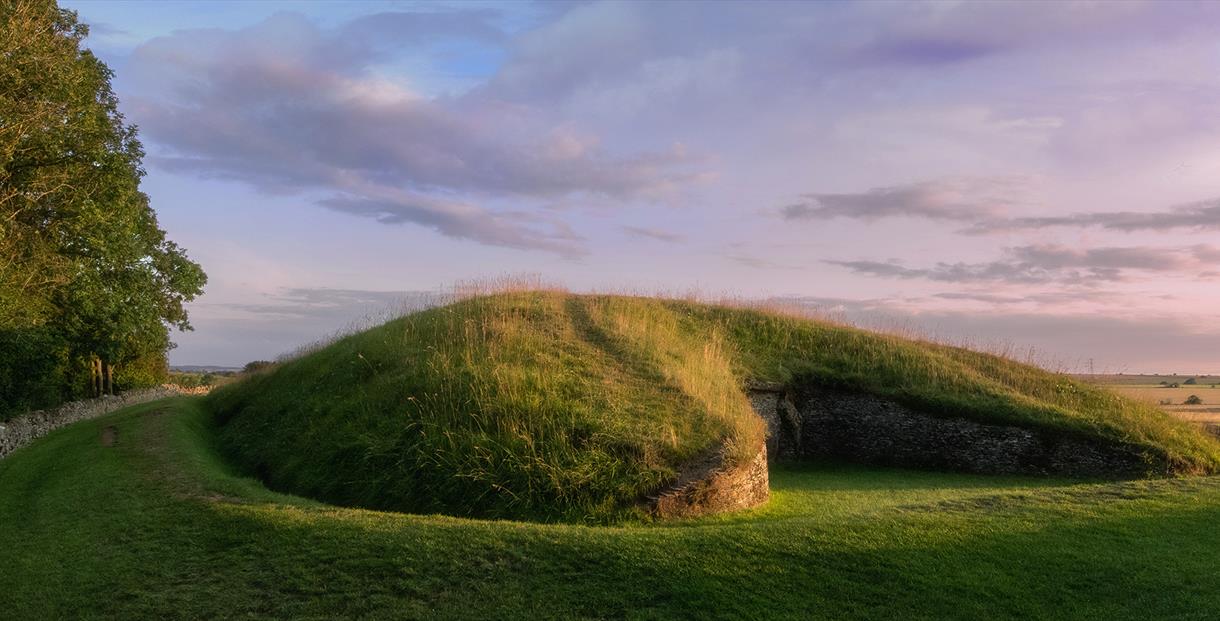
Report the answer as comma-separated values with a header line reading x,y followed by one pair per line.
x,y
546,405
158,526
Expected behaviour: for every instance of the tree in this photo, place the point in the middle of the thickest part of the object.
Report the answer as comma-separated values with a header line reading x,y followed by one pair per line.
x,y
46,142
83,262
1193,400
256,366
1190,382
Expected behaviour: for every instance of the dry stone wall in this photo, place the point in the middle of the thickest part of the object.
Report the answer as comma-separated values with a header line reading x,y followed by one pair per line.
x,y
20,431
708,486
868,429
774,406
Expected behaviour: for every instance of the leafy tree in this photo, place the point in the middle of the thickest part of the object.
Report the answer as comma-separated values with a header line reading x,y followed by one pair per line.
x,y
257,365
83,262
34,369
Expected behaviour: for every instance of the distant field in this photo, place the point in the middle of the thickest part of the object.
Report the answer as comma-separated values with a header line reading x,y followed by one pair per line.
x,y
1148,388
195,379
1146,380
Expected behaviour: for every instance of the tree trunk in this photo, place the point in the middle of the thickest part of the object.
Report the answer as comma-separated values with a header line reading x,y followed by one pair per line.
x,y
109,378
95,377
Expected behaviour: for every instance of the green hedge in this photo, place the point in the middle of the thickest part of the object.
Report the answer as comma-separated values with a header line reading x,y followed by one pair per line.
x,y
35,371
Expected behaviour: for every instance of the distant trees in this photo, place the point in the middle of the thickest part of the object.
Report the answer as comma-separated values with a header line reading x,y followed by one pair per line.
x,y
1190,382
89,285
1193,400
257,365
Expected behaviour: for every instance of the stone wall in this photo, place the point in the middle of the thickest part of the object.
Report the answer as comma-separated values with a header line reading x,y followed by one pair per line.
x,y
772,404
708,486
868,429
20,431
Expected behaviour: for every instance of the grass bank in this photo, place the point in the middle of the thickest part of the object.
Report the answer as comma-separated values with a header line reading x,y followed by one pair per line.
x,y
551,406
151,523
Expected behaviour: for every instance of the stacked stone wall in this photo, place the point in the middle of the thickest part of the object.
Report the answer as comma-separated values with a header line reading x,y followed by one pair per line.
x,y
20,431
809,422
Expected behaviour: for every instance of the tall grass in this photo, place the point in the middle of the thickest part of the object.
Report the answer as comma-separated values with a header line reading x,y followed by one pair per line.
x,y
517,404
521,400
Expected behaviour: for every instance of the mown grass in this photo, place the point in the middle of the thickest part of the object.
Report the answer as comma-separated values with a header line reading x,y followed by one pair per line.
x,y
158,526
550,406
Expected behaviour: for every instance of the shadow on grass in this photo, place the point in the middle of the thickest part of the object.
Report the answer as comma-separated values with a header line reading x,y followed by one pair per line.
x,y
833,475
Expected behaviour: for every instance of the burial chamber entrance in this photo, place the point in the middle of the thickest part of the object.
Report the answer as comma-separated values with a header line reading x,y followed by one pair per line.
x,y
811,422
808,422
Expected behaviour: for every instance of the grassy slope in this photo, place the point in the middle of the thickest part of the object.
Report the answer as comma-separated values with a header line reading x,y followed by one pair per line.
x,y
554,406
522,405
157,527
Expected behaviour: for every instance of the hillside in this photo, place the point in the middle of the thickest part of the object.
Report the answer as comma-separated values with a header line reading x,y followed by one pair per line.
x,y
551,406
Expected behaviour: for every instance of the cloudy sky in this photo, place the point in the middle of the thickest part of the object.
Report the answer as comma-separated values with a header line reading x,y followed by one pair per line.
x,y
1041,177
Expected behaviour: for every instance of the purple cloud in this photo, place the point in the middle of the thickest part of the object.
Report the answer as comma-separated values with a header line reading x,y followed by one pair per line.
x,y
288,107
1204,215
760,263
950,199
1043,264
653,234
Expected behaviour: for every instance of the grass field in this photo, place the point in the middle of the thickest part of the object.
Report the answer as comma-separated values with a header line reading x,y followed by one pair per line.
x,y
193,379
1147,380
134,515
1161,395
557,407
1147,388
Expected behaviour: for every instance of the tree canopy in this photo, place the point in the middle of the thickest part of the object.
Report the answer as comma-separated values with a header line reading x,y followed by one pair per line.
x,y
88,280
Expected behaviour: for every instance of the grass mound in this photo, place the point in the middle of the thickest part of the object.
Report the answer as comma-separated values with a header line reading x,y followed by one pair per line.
x,y
545,405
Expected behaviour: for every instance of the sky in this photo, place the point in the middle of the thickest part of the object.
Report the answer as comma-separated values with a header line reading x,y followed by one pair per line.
x,y
1041,178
